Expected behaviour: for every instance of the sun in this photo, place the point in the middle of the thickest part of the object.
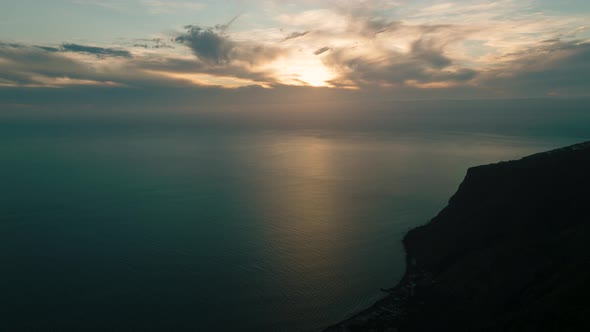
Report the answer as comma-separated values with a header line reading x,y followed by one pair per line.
x,y
315,76
303,71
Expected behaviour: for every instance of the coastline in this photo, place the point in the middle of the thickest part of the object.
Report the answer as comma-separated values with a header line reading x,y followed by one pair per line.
x,y
490,259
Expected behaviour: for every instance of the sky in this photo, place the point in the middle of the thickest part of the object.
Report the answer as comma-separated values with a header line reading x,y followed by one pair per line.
x,y
246,51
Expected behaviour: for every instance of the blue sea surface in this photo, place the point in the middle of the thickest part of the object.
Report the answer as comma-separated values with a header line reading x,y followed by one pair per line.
x,y
278,229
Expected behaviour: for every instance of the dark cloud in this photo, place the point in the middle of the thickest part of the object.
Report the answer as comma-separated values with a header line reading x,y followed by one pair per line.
x,y
211,45
214,47
98,51
322,50
294,35
208,44
48,48
76,48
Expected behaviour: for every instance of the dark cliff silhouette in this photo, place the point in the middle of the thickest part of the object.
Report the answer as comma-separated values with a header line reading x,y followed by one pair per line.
x,y
510,252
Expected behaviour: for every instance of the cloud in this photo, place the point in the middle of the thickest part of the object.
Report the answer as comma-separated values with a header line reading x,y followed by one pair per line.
x,y
418,61
23,65
322,50
210,44
423,44
294,35
492,47
34,66
98,51
423,50
369,49
207,44
76,48
557,67
371,26
49,48
213,46
45,66
549,68
190,68
11,45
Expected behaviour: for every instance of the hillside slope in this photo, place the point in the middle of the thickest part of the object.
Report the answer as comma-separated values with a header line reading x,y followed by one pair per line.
x,y
510,252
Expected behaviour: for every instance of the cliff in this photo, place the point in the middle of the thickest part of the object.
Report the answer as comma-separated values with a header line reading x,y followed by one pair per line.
x,y
510,252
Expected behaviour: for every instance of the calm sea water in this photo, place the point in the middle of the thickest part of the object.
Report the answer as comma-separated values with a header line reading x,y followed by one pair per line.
x,y
251,229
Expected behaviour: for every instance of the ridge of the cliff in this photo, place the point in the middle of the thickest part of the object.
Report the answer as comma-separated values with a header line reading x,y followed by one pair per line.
x,y
510,252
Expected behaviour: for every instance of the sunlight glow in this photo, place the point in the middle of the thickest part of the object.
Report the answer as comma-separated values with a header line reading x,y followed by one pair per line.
x,y
298,72
209,80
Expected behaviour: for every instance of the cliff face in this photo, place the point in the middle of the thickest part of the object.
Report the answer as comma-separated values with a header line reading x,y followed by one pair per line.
x,y
510,252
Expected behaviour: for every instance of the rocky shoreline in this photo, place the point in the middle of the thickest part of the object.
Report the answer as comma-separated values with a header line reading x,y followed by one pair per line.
x,y
510,252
